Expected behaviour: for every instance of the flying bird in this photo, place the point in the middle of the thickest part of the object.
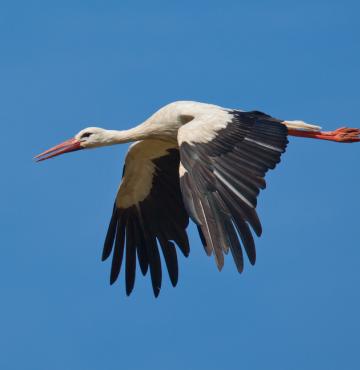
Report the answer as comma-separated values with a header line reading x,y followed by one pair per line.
x,y
196,160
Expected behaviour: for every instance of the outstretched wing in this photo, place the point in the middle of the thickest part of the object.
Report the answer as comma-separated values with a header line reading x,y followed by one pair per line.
x,y
148,211
224,157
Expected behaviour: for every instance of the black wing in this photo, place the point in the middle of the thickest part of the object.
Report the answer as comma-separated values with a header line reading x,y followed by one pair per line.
x,y
148,212
224,158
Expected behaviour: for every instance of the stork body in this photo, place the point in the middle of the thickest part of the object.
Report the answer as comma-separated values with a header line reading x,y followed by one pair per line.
x,y
191,159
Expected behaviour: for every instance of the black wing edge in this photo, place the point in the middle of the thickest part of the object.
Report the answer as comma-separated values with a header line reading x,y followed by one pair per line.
x,y
159,220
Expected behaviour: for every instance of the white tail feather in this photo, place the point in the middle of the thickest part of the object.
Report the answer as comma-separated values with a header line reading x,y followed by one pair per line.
x,y
301,125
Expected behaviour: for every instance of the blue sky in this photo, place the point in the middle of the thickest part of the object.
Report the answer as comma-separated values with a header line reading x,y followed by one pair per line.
x,y
66,65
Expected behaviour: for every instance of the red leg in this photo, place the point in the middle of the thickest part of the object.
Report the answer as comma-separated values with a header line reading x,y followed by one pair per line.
x,y
341,135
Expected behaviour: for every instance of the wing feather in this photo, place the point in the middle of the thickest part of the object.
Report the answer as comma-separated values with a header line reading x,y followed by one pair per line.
x,y
130,265
221,177
148,212
118,248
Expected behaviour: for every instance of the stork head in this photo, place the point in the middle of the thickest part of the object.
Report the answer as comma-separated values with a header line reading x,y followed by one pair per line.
x,y
90,137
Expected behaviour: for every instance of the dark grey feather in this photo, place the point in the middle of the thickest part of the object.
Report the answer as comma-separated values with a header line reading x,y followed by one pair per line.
x,y
223,179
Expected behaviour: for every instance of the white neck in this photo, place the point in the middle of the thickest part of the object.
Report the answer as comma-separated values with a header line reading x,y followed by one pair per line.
x,y
146,130
140,132
125,136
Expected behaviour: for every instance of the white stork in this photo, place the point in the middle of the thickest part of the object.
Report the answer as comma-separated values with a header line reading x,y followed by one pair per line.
x,y
191,159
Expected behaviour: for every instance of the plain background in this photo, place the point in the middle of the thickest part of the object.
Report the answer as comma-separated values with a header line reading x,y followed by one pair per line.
x,y
66,65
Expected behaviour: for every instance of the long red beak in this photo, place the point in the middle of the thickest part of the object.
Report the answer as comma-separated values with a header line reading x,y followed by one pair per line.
x,y
67,146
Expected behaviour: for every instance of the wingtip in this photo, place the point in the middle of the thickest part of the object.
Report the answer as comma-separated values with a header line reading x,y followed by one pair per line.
x,y
156,291
240,270
219,265
112,279
257,229
104,257
128,291
174,281
252,260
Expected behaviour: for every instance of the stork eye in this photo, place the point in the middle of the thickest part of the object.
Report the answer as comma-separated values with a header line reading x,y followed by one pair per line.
x,y
85,134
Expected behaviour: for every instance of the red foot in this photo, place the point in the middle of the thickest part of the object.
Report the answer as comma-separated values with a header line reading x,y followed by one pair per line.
x,y
341,135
